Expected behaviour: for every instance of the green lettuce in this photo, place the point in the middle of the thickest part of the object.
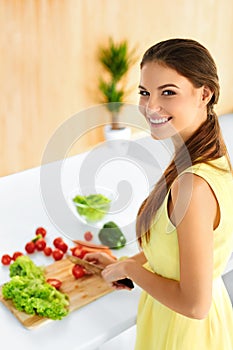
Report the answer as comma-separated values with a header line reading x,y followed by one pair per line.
x,y
93,207
25,267
30,293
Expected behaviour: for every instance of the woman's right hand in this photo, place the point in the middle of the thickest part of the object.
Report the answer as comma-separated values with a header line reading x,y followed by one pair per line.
x,y
101,259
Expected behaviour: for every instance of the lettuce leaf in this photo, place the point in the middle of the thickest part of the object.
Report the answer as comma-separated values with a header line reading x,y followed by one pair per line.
x,y
30,293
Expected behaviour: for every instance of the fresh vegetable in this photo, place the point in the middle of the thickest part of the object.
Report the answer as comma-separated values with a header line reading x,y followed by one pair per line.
x,y
35,297
57,254
78,271
57,241
79,252
30,247
63,247
30,293
83,248
41,231
88,236
112,236
48,251
40,244
90,245
6,259
60,244
25,267
54,282
16,255
93,207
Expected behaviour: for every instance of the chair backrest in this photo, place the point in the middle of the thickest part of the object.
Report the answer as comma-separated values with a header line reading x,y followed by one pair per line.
x,y
226,124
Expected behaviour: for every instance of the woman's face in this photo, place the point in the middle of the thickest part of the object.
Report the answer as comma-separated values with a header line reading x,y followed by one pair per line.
x,y
170,102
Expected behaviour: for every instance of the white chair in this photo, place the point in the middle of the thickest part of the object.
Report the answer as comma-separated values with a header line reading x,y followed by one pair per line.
x,y
226,124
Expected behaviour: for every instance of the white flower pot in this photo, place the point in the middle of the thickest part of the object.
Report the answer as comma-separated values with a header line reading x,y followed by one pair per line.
x,y
117,140
120,134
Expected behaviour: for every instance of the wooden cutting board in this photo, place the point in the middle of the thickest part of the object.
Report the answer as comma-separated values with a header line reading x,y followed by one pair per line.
x,y
80,292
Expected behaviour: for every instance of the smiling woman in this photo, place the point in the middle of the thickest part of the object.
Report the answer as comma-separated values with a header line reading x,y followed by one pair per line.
x,y
185,225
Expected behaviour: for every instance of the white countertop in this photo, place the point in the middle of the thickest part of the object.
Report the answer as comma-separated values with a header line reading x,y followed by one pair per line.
x,y
21,211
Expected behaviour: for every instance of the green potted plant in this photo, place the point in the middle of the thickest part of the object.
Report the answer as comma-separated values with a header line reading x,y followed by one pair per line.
x,y
116,59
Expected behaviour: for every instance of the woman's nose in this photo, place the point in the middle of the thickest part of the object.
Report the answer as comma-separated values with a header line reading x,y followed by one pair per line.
x,y
153,106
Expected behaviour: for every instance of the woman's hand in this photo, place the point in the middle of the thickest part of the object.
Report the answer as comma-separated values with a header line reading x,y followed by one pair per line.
x,y
117,271
113,269
100,259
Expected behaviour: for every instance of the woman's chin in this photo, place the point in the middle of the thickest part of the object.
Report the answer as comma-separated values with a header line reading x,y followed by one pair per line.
x,y
161,135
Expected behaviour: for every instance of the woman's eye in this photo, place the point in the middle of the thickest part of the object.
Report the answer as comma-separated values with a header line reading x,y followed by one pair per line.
x,y
143,93
168,93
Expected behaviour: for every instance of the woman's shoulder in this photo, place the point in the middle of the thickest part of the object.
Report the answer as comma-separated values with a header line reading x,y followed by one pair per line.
x,y
200,178
189,184
211,169
203,178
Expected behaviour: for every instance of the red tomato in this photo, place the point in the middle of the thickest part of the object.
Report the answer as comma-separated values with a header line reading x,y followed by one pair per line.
x,y
78,271
54,282
47,251
57,241
40,244
41,231
6,259
57,254
30,247
88,236
79,252
62,246
16,255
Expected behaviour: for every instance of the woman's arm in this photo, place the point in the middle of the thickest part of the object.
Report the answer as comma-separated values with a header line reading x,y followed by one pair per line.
x,y
194,214
139,258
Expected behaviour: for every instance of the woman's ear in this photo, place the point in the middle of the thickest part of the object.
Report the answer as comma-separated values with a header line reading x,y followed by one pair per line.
x,y
206,94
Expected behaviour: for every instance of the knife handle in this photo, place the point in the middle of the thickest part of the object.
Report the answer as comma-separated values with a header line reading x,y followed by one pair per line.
x,y
126,282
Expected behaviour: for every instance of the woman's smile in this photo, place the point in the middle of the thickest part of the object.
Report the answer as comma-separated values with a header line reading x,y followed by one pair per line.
x,y
157,122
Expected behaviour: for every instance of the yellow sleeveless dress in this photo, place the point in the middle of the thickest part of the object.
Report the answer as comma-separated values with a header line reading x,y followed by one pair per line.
x,y
160,328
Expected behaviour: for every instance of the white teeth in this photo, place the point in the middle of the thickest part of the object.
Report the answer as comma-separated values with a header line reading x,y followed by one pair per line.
x,y
159,120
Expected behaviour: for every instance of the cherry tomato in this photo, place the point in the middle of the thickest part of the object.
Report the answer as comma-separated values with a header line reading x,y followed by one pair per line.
x,y
40,244
30,247
47,251
54,282
88,236
57,241
41,231
6,259
57,254
62,246
16,255
78,271
79,252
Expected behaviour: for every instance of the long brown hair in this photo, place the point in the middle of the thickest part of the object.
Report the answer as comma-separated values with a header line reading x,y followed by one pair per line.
x,y
193,61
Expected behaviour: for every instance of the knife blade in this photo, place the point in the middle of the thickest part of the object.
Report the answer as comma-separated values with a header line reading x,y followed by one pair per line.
x,y
89,266
98,269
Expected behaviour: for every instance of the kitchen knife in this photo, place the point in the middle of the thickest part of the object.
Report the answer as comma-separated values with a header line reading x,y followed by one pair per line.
x,y
97,270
